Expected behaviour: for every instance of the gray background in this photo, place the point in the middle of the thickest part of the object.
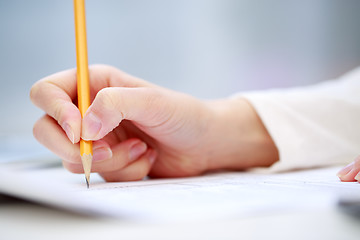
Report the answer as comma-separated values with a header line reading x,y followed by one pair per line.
x,y
207,48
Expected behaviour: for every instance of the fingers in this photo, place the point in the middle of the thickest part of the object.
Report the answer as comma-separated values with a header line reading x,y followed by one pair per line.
x,y
55,99
128,160
351,172
134,171
50,134
55,94
122,154
148,107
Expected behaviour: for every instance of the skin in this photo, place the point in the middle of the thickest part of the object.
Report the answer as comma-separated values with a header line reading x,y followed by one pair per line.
x,y
350,173
141,129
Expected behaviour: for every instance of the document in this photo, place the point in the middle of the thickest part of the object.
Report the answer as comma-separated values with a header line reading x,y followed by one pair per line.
x,y
214,196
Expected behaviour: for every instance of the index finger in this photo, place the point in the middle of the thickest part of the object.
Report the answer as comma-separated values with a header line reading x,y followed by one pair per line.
x,y
56,93
63,83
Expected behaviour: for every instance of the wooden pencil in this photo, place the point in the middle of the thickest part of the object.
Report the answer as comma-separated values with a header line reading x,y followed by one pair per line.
x,y
83,88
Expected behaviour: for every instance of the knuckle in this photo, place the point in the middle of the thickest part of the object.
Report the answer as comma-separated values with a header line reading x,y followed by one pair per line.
x,y
39,90
153,97
154,100
161,107
38,128
34,91
107,98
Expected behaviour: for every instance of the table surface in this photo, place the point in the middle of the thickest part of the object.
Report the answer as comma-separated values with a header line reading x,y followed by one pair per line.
x,y
21,219
25,220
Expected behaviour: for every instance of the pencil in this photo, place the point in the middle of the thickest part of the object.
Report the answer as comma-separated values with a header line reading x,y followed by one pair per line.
x,y
83,88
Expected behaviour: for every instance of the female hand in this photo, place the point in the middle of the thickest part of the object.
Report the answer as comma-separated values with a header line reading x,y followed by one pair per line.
x,y
350,173
140,128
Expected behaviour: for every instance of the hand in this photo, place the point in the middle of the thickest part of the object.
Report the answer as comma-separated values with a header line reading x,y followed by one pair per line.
x,y
139,128
350,173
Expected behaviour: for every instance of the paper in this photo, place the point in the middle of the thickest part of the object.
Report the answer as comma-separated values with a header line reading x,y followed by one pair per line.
x,y
211,197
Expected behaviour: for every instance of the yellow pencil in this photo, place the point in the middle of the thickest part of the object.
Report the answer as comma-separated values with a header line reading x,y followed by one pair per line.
x,y
83,88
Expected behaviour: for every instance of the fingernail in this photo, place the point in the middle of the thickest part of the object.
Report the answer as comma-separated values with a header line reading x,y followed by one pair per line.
x,y
152,156
91,126
357,177
69,132
137,150
102,153
339,174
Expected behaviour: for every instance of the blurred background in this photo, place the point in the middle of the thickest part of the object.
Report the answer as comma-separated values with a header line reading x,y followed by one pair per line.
x,y
207,48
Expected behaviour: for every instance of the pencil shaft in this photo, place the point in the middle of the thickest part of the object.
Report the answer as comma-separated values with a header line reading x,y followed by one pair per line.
x,y
83,86
81,56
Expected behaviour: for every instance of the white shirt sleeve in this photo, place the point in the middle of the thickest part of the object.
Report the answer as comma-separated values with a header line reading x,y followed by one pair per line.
x,y
312,126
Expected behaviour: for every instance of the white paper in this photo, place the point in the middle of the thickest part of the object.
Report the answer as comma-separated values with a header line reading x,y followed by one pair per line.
x,y
211,197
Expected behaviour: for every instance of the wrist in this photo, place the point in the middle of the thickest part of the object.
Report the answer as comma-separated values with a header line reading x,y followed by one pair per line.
x,y
237,137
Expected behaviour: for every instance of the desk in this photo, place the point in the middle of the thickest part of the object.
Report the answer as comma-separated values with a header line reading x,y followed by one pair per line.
x,y
310,216
23,220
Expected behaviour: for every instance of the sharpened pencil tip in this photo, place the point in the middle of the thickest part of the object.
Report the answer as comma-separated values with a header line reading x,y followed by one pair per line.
x,y
86,161
87,182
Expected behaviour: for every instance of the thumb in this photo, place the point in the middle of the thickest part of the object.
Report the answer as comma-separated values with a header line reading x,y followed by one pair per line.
x,y
145,106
